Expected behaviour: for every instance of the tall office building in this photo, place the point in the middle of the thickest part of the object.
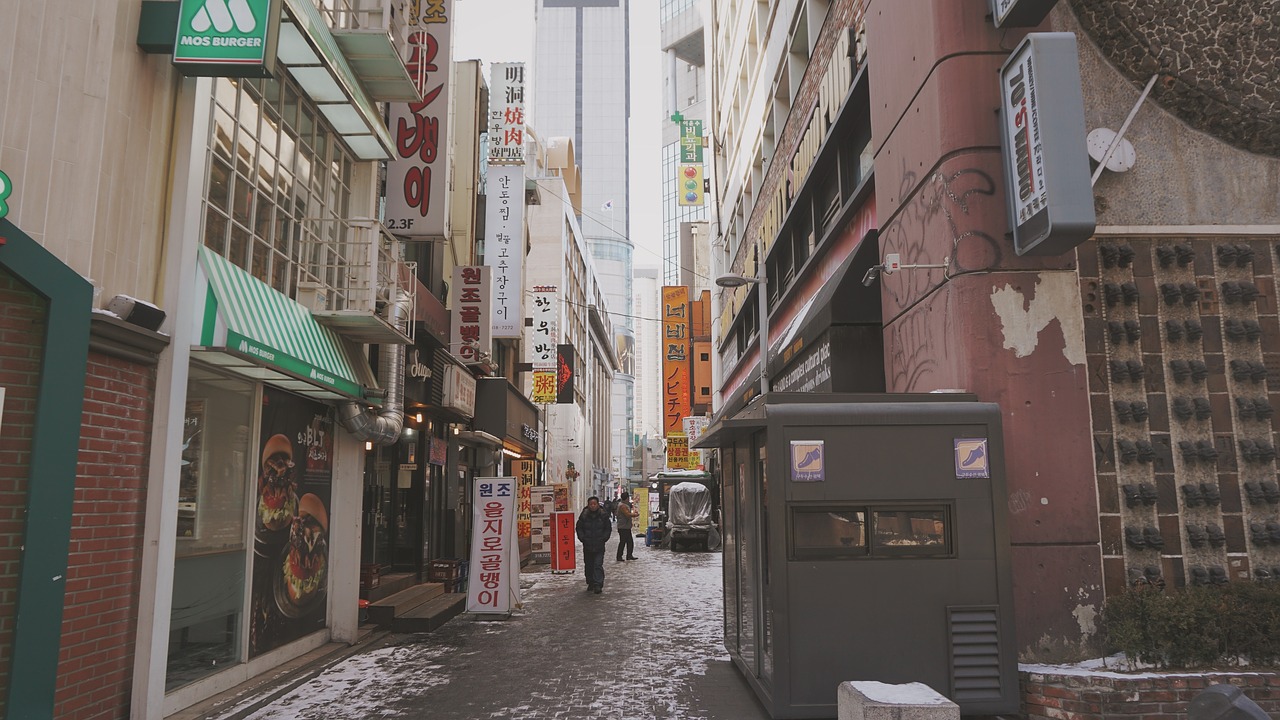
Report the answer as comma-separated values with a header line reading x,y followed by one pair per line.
x,y
685,246
581,87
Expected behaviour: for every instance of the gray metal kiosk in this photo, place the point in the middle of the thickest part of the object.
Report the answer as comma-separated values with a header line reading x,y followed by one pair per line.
x,y
865,539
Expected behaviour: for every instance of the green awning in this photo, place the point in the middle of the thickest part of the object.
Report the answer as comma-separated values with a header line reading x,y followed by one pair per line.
x,y
246,326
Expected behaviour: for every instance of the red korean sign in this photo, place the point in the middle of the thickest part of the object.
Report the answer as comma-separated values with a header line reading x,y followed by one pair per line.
x,y
417,197
562,548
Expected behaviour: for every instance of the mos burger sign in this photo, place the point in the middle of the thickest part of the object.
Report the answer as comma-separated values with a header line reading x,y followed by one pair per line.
x,y
1046,161
227,38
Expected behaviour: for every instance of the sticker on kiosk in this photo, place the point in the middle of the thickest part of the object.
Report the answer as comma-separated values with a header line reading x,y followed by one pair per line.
x,y
807,459
972,458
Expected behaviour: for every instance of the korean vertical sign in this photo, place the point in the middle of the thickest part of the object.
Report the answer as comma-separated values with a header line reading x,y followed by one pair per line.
x,y
492,540
675,358
543,337
504,246
506,114
470,322
689,171
417,198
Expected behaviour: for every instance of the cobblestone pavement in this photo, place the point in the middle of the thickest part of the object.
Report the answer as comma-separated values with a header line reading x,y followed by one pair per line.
x,y
649,647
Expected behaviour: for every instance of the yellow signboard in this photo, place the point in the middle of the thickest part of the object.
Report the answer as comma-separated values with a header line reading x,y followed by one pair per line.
x,y
641,503
689,184
677,451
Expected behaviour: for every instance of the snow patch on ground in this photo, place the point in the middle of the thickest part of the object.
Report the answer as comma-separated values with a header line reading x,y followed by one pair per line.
x,y
361,686
1118,666
907,694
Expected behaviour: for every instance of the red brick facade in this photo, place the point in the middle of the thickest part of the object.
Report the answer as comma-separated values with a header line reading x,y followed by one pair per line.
x,y
95,669
22,323
1144,697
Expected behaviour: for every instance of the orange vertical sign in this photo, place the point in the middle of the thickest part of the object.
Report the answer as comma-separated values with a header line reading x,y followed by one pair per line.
x,y
675,358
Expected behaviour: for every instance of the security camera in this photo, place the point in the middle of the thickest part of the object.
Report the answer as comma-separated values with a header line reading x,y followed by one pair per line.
x,y
873,273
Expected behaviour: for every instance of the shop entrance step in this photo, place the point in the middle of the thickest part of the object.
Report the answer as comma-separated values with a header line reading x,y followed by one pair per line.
x,y
386,610
389,585
430,615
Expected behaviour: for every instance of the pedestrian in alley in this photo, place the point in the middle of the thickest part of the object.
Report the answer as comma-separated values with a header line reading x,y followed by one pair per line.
x,y
594,530
626,536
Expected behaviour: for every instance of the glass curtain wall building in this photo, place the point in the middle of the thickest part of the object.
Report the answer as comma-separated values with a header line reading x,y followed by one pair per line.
x,y
581,89
684,91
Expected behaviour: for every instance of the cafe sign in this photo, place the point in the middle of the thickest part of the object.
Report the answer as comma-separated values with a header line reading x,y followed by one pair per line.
x,y
1048,189
227,38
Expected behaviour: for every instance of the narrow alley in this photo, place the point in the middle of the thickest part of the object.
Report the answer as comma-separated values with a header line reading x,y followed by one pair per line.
x,y
649,647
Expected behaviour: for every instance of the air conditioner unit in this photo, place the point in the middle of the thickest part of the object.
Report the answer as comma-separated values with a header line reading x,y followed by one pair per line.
x,y
313,295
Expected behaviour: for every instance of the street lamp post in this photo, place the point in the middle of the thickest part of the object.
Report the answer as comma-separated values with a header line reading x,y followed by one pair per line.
x,y
761,282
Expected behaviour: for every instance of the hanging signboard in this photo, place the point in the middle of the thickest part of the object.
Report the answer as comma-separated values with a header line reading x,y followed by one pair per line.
x,y
417,194
227,38
492,541
675,357
470,323
1020,13
677,451
1047,184
689,184
524,471
506,114
504,246
564,374
694,426
691,141
562,548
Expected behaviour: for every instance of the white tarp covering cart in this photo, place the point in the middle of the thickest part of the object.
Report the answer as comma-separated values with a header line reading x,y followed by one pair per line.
x,y
691,524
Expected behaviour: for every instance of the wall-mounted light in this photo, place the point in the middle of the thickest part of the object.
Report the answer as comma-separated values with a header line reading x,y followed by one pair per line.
x,y
456,430
368,445
509,453
418,418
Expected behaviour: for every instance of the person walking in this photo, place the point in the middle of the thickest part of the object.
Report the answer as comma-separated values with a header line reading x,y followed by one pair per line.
x,y
594,530
626,537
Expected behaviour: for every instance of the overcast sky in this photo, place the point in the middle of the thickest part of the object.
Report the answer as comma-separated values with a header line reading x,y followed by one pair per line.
x,y
502,31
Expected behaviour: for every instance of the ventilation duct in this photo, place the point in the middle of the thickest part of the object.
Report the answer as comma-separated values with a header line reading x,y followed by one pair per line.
x,y
383,426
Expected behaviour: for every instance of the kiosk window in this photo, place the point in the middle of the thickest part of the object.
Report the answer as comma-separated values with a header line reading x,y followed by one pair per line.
x,y
825,532
850,532
913,531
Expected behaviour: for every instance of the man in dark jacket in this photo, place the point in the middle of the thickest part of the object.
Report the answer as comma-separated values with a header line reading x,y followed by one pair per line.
x,y
594,529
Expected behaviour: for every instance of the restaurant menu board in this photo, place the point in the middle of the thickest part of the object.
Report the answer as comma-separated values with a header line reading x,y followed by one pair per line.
x,y
291,521
542,502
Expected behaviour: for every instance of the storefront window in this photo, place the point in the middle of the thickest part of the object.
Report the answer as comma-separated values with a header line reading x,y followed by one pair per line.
x,y
277,178
208,587
828,532
911,531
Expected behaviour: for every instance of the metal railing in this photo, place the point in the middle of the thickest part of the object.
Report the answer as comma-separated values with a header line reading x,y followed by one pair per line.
x,y
355,265
367,15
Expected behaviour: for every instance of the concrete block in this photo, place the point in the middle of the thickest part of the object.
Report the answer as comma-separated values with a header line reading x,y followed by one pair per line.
x,y
881,701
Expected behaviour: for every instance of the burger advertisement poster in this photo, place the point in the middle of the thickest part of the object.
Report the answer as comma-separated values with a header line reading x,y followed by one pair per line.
x,y
291,522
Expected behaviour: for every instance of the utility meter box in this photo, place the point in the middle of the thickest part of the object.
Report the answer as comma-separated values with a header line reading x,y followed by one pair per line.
x,y
865,538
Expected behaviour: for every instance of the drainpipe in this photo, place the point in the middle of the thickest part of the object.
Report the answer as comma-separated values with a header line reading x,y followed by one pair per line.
x,y
382,426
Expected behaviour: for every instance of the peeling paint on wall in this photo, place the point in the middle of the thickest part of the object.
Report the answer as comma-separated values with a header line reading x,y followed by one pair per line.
x,y
1057,297
1087,616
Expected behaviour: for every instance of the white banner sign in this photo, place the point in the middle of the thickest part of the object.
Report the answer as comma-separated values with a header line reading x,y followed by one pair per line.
x,y
417,197
546,328
504,247
506,113
469,331
493,539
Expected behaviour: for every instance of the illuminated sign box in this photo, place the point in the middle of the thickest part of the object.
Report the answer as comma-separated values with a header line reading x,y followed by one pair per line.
x,y
227,38
1046,160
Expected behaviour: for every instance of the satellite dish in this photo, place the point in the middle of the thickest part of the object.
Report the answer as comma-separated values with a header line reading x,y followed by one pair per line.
x,y
1121,160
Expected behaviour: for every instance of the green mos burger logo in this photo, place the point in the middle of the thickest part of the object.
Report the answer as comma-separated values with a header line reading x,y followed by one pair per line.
x,y
6,189
222,31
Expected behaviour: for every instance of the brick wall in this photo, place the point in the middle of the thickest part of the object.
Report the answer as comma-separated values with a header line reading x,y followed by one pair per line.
x,y
100,615
22,321
1144,697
